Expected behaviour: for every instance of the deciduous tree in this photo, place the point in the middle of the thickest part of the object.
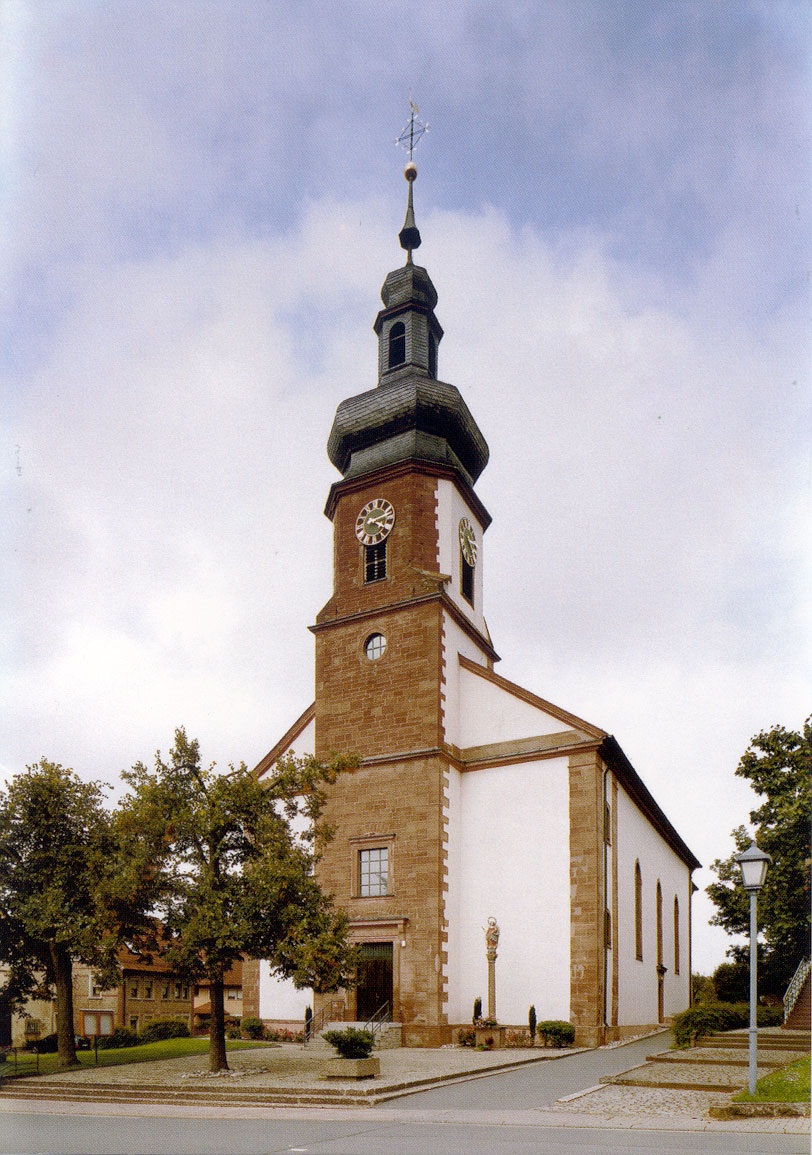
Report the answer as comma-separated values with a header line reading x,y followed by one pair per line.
x,y
70,888
778,764
236,863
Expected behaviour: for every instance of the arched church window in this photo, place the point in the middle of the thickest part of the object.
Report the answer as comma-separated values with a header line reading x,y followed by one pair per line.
x,y
466,579
676,935
432,355
397,344
659,924
638,912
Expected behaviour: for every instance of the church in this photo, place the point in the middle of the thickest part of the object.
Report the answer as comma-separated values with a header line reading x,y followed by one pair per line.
x,y
476,798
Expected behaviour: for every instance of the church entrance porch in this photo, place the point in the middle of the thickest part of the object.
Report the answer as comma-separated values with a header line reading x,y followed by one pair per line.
x,y
375,989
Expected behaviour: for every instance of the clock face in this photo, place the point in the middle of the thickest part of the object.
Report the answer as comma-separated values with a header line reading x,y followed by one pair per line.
x,y
468,541
374,521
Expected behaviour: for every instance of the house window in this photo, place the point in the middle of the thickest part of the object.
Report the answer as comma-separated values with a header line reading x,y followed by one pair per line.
x,y
96,988
134,1023
147,988
676,935
165,994
397,344
638,912
134,989
375,647
231,993
178,988
466,579
373,872
375,562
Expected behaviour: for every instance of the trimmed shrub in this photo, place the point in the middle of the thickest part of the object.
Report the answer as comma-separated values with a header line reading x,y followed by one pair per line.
x,y
351,1043
308,1023
477,1009
159,1029
252,1027
531,1024
708,1018
556,1033
121,1037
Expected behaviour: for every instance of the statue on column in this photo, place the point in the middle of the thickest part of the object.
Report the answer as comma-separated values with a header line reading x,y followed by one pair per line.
x,y
491,942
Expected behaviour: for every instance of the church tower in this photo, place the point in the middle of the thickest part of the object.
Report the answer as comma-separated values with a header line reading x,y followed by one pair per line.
x,y
407,592
476,802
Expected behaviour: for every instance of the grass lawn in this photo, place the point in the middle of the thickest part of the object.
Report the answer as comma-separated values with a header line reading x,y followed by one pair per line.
x,y
144,1053
787,1085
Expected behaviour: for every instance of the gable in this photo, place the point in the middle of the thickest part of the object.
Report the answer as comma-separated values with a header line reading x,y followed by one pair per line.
x,y
494,710
299,740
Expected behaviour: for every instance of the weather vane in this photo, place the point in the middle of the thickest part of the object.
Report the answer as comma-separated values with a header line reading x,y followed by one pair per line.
x,y
413,131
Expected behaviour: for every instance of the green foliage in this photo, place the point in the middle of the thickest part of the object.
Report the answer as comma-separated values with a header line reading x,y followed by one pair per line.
x,y
121,1037
556,1033
252,1027
703,989
531,1023
790,1084
236,879
778,765
466,1036
159,1029
351,1043
731,982
709,1018
73,884
477,1009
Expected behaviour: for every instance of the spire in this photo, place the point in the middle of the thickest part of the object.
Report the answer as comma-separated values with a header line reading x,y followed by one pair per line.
x,y
409,235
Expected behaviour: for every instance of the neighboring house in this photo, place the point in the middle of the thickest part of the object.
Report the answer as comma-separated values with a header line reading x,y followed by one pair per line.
x,y
147,989
476,798
232,997
34,1020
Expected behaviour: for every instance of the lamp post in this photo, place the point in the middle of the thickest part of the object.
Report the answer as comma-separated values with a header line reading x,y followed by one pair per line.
x,y
753,863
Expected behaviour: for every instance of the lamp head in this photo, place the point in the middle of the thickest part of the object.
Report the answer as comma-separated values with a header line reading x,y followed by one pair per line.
x,y
753,863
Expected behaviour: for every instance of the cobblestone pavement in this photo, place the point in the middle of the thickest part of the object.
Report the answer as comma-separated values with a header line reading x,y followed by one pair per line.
x,y
293,1065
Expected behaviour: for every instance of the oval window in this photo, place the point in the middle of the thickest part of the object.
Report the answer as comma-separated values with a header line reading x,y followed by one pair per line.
x,y
375,647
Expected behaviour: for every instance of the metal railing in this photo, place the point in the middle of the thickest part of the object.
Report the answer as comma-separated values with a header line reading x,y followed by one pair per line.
x,y
376,1023
795,987
333,1010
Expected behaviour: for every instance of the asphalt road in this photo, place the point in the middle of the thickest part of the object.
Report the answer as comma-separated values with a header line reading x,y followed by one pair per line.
x,y
370,1134
536,1084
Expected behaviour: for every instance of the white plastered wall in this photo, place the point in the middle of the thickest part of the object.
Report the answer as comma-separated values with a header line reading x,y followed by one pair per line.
x,y
489,714
450,509
279,998
638,840
509,858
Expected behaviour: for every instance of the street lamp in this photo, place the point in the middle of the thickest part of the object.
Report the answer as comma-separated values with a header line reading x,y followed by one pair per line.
x,y
753,863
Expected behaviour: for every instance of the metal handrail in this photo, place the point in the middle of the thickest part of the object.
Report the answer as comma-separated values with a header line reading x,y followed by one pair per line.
x,y
325,1015
380,1017
796,986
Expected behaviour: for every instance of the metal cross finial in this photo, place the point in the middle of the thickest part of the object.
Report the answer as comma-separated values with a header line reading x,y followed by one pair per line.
x,y
413,131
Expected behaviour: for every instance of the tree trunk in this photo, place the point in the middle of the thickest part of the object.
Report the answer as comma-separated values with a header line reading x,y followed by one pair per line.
x,y
63,980
217,1026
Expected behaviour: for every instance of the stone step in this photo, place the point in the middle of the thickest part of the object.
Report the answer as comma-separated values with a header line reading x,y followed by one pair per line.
x,y
767,1040
687,1077
722,1057
115,1093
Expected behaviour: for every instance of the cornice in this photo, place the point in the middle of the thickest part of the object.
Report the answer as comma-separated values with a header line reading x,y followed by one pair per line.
x,y
400,469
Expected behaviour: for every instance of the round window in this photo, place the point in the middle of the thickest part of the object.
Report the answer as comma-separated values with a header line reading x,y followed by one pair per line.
x,y
375,647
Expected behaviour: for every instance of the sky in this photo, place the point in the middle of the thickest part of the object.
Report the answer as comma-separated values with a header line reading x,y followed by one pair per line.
x,y
199,202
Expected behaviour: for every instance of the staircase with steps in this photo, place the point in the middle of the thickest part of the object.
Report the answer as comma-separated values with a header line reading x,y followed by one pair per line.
x,y
716,1063
800,1017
